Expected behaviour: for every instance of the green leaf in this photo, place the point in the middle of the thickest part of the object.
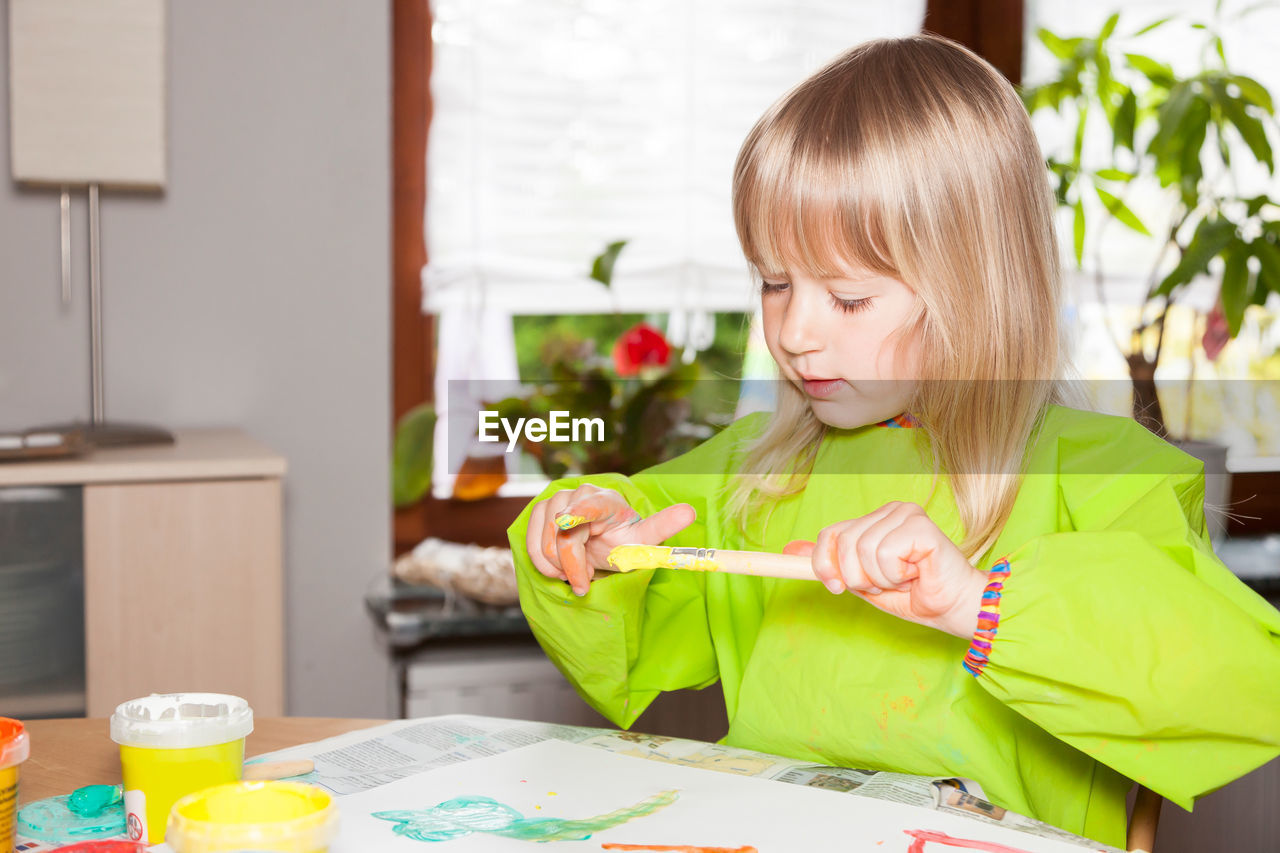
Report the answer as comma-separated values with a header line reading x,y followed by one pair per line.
x,y
1108,28
1049,95
1151,26
1064,175
1077,231
1125,120
1059,47
1105,83
1190,137
1255,204
1253,92
1265,282
1235,283
1210,238
1120,211
1157,72
1268,255
1224,150
1169,116
412,455
1114,175
602,266
1031,97
1251,129
1077,148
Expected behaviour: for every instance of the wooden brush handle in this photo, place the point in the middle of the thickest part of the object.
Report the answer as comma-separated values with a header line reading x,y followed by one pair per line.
x,y
277,769
759,563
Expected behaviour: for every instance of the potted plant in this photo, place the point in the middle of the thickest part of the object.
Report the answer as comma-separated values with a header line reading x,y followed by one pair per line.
x,y
640,389
1174,130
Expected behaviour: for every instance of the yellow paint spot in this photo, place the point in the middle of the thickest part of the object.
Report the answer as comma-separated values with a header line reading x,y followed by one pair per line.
x,y
628,558
568,522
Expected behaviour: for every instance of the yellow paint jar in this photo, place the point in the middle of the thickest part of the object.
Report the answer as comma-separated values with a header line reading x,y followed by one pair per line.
x,y
284,817
14,748
172,744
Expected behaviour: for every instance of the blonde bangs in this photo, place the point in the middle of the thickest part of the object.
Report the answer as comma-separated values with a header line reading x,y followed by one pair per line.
x,y
809,202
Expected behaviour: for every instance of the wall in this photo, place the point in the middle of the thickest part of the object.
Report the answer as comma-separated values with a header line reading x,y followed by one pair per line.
x,y
253,293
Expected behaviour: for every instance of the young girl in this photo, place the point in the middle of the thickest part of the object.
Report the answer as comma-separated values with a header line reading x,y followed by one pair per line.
x,y
1012,590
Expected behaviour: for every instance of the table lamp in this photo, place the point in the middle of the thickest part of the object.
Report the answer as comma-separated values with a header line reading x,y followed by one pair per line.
x,y
87,109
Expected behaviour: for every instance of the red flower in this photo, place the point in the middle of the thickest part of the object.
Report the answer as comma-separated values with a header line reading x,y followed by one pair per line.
x,y
1216,333
640,346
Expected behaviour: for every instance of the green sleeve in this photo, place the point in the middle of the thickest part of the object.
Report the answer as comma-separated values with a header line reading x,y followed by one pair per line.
x,y
1128,639
637,634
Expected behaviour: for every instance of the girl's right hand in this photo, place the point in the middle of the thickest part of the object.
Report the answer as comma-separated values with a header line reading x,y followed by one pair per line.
x,y
571,533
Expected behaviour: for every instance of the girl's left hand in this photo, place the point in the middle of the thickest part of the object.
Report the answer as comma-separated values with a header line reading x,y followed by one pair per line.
x,y
897,559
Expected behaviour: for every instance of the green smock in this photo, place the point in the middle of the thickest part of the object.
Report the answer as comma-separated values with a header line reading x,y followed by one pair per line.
x,y
1125,649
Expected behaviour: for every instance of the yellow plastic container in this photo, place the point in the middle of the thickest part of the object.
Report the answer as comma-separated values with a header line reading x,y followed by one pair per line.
x,y
14,748
172,744
283,817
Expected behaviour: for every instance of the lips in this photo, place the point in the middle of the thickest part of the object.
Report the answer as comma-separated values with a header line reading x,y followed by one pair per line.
x,y
821,387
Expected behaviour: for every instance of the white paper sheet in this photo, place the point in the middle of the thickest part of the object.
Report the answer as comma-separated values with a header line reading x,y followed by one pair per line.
x,y
557,780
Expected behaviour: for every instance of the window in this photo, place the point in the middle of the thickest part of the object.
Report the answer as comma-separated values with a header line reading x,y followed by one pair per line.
x,y
561,126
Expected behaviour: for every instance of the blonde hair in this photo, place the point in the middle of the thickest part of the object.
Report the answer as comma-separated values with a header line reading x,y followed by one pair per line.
x,y
914,158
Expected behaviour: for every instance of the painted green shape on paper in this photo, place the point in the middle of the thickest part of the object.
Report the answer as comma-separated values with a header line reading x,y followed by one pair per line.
x,y
466,815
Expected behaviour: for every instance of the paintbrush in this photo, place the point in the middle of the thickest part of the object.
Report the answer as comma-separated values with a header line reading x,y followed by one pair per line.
x,y
628,558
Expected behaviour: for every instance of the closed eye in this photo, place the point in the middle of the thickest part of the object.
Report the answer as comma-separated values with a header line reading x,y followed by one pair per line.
x,y
851,306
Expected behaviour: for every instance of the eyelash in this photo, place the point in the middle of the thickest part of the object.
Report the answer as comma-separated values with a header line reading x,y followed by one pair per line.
x,y
852,306
849,306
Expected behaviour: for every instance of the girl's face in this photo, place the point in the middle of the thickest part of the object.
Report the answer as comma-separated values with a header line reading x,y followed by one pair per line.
x,y
838,341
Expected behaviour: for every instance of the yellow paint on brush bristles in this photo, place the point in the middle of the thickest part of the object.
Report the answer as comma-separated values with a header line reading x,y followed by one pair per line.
x,y
628,558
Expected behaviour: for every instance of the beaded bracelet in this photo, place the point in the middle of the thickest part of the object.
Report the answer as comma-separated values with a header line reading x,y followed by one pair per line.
x,y
975,660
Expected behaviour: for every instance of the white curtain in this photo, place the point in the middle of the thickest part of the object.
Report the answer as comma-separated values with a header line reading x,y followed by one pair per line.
x,y
561,125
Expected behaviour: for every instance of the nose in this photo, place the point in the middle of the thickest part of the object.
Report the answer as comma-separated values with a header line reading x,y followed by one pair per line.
x,y
801,330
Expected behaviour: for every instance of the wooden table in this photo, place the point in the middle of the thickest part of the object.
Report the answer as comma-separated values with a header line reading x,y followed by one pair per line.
x,y
66,754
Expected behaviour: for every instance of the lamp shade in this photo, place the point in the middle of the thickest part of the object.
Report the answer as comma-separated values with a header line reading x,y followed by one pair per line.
x,y
87,92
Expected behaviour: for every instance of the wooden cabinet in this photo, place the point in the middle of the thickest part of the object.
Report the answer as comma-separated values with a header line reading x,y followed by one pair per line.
x,y
183,569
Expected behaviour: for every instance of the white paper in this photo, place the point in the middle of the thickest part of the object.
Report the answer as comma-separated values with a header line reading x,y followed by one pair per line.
x,y
560,780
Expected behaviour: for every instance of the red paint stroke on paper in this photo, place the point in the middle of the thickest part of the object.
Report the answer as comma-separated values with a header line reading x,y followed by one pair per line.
x,y
680,848
924,835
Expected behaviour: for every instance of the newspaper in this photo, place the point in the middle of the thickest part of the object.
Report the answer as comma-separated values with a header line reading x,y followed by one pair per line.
x,y
362,760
